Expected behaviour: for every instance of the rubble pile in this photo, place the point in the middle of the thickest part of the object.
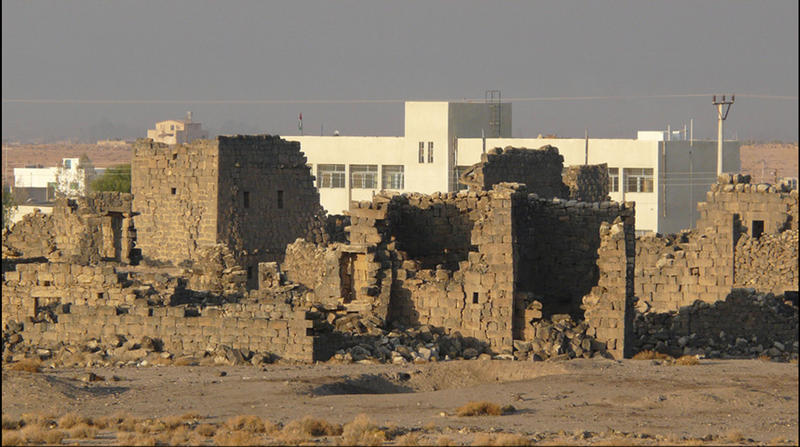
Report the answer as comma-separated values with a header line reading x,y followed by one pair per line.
x,y
746,324
558,337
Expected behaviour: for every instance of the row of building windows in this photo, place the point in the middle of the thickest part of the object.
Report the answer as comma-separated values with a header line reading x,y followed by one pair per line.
x,y
422,152
361,176
633,179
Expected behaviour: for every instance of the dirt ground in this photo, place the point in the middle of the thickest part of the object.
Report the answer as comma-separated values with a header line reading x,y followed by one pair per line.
x,y
757,399
769,161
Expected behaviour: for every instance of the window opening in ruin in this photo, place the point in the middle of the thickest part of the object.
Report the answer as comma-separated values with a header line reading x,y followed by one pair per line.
x,y
175,156
346,277
249,272
330,176
757,228
100,295
173,191
638,179
280,200
422,152
474,297
246,199
694,271
613,179
47,283
364,176
393,177
430,151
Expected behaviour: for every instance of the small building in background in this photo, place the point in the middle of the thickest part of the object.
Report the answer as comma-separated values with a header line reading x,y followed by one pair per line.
x,y
177,131
36,184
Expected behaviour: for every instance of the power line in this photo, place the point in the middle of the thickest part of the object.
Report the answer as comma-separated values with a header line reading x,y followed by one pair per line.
x,y
366,101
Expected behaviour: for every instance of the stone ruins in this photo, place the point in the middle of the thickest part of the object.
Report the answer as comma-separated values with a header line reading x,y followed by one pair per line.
x,y
223,252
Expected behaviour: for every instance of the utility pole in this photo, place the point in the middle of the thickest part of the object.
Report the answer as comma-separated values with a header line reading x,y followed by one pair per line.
x,y
586,146
725,105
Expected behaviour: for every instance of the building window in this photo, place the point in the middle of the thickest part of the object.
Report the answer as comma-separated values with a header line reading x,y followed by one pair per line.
x,y
430,151
422,152
173,191
280,200
330,176
393,177
172,127
73,186
246,197
67,164
364,176
638,179
613,179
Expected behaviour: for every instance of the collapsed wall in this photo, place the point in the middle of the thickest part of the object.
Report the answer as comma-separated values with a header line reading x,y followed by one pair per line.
x,y
80,230
539,169
53,305
587,183
746,237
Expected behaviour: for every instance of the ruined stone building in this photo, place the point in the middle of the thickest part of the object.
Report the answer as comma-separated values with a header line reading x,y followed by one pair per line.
x,y
531,262
252,194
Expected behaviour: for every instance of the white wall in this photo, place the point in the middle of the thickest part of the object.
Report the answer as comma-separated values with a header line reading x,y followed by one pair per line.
x,y
34,177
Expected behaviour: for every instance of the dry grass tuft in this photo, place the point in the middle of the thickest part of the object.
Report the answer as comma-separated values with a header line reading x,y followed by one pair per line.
x,y
765,358
409,439
82,431
33,434
54,436
687,360
482,408
249,423
734,436
39,419
29,365
362,431
503,439
70,420
651,355
206,430
13,437
309,427
237,438
134,439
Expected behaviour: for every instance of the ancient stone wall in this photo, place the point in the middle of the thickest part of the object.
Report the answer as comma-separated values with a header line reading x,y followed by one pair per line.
x,y
267,198
254,194
80,230
560,240
609,306
175,191
767,263
587,183
676,270
68,303
539,169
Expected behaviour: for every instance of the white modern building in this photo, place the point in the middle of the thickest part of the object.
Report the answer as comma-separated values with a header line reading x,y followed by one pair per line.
x,y
665,177
177,131
39,184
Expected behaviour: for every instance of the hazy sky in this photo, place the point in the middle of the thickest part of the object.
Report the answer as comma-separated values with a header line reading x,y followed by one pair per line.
x,y
185,51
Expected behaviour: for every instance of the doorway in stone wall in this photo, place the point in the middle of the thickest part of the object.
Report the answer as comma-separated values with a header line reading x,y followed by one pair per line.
x,y
347,275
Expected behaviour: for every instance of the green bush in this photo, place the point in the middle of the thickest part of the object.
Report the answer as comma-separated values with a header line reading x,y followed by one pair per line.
x,y
116,178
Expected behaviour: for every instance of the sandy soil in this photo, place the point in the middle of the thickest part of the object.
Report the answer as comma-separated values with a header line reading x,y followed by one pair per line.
x,y
756,398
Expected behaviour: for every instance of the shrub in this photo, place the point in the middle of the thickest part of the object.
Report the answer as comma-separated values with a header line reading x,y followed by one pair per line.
x,y
687,360
651,355
54,436
70,420
362,431
13,438
82,431
248,423
115,178
482,409
29,365
311,427
236,438
503,439
11,424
